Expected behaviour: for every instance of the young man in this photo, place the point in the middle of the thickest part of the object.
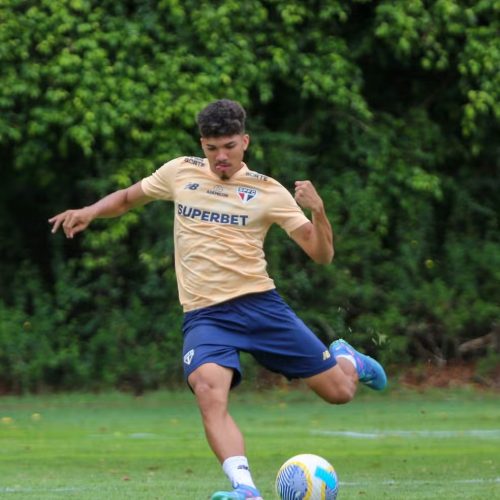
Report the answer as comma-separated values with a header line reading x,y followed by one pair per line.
x,y
223,211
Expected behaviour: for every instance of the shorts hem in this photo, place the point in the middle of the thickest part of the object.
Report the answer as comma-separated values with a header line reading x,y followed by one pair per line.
x,y
312,373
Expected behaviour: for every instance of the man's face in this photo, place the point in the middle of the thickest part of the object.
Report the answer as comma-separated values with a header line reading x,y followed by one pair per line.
x,y
225,154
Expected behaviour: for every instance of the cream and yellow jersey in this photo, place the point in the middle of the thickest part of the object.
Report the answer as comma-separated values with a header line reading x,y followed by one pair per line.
x,y
220,227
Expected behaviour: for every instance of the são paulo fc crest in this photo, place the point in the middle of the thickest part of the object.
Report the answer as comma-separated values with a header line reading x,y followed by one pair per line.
x,y
246,194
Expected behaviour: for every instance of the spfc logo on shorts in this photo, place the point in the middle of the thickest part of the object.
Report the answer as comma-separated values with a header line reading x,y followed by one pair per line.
x,y
188,357
246,194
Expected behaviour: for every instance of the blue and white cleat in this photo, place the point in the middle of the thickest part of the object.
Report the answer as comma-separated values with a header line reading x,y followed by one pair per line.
x,y
242,492
370,371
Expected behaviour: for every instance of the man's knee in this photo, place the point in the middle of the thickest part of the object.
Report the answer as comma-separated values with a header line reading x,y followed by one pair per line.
x,y
339,395
210,377
211,384
333,386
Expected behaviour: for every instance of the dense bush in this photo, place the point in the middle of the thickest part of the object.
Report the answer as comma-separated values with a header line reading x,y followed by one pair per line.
x,y
391,108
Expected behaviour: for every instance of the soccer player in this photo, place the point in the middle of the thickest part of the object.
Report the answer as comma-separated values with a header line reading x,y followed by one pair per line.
x,y
222,212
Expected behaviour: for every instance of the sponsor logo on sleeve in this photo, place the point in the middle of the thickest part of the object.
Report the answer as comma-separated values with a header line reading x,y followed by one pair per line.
x,y
194,160
257,176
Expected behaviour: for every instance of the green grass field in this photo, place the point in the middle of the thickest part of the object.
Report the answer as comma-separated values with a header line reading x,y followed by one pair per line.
x,y
396,445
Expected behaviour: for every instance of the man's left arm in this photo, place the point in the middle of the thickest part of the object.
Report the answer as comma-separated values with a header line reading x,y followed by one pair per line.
x,y
316,237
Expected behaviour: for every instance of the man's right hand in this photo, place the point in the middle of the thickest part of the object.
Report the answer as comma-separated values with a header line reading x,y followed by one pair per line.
x,y
112,205
72,221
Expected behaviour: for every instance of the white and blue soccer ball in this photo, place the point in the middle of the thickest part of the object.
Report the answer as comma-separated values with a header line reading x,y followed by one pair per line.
x,y
307,477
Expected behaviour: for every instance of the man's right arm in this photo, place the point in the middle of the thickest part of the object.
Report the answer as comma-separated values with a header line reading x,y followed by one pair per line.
x,y
112,205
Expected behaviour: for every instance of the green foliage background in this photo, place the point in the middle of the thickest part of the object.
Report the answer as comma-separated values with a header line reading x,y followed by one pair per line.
x,y
392,108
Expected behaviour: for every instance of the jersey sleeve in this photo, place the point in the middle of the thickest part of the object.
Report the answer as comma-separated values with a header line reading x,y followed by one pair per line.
x,y
160,184
285,211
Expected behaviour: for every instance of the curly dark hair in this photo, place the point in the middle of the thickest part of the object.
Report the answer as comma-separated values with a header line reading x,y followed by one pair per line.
x,y
222,118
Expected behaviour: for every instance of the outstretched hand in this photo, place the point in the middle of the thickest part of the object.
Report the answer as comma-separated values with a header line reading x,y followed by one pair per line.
x,y
307,196
72,221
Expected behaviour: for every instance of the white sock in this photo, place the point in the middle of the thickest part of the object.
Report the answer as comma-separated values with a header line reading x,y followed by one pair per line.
x,y
349,357
237,470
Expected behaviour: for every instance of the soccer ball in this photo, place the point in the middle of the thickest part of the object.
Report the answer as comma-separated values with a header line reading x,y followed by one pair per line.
x,y
307,477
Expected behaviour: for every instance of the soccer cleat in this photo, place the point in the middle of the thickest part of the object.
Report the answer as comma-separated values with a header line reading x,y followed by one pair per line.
x,y
242,492
370,372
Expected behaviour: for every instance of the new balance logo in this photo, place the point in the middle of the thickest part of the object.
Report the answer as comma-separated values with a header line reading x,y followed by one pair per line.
x,y
188,357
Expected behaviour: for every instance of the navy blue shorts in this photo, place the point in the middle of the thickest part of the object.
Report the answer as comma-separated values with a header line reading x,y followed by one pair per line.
x,y
261,324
